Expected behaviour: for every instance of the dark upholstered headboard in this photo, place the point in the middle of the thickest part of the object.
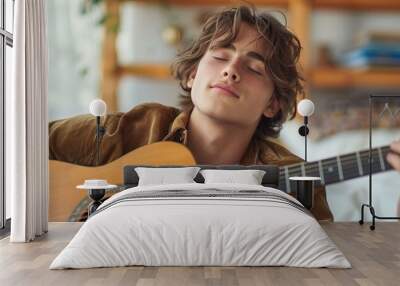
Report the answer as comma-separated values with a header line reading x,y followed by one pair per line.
x,y
270,179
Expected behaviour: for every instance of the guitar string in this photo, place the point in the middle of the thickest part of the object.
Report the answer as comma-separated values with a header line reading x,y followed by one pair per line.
x,y
348,164
342,158
375,152
350,170
313,166
354,173
328,176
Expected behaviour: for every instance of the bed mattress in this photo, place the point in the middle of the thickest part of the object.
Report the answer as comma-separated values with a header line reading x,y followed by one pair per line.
x,y
201,225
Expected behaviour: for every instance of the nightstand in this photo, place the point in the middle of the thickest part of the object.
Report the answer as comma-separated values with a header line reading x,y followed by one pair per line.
x,y
96,191
305,190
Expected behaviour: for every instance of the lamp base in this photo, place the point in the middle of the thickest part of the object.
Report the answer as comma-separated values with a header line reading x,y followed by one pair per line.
x,y
305,193
96,195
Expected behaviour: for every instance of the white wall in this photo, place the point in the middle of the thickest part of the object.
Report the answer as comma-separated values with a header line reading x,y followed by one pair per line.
x,y
74,46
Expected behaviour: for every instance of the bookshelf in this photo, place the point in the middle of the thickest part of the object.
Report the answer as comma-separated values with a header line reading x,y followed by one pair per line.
x,y
346,78
299,13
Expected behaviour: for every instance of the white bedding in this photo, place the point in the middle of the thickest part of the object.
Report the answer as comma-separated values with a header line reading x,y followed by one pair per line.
x,y
190,230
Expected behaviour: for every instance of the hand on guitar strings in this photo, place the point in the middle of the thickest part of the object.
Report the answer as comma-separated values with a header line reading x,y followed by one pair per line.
x,y
394,156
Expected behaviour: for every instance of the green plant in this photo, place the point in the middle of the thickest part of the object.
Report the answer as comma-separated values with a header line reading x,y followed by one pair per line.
x,y
88,5
105,18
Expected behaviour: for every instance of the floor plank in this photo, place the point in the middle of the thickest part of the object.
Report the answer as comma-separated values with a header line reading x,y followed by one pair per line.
x,y
374,255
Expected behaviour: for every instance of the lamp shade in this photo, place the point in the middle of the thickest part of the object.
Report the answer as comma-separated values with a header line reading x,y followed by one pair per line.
x,y
305,107
98,107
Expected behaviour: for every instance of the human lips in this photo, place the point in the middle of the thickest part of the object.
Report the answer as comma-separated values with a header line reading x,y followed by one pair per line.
x,y
226,88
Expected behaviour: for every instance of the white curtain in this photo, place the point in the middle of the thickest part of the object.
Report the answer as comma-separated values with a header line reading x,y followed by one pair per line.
x,y
26,117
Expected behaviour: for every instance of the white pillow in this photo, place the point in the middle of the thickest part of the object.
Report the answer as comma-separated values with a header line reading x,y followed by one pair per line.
x,y
162,176
248,177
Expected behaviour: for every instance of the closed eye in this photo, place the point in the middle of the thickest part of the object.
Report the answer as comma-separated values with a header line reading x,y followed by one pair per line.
x,y
256,72
220,59
251,69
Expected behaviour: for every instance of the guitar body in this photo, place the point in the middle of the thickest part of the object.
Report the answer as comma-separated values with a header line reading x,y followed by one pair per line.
x,y
64,177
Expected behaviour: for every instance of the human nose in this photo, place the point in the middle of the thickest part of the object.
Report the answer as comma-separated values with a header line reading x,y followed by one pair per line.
x,y
231,72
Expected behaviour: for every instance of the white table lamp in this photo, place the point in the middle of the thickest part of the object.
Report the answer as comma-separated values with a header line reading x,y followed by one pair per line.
x,y
98,108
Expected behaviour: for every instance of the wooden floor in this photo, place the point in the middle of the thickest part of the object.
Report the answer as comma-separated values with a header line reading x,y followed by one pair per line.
x,y
374,255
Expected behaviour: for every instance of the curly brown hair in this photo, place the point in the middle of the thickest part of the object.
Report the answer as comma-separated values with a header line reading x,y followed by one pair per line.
x,y
281,60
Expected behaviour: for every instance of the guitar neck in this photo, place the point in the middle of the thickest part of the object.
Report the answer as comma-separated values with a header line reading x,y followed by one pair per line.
x,y
337,169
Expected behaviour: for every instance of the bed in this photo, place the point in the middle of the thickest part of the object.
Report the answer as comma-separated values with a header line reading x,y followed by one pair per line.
x,y
201,224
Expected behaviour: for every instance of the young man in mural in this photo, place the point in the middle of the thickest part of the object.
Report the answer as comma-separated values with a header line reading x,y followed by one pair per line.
x,y
240,80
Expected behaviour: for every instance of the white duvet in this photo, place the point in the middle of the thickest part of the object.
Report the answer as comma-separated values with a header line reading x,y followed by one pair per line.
x,y
183,231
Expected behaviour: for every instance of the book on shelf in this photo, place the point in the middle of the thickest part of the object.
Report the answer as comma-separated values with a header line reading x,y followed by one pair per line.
x,y
373,54
372,62
384,37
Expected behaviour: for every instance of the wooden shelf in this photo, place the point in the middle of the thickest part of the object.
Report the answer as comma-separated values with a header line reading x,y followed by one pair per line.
x,y
153,71
318,77
345,78
276,3
360,5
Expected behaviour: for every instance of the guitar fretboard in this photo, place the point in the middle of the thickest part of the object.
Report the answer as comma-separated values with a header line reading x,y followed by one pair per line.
x,y
336,169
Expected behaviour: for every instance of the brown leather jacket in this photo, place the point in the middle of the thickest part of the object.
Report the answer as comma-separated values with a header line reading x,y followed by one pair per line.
x,y
72,140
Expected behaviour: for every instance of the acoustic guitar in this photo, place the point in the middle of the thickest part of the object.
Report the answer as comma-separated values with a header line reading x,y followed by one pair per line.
x,y
338,168
64,198
64,177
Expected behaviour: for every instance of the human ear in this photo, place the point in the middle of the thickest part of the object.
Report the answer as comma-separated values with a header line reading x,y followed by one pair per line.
x,y
191,79
190,82
272,108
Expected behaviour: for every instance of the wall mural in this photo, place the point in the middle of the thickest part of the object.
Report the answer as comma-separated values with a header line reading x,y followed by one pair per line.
x,y
203,124
110,52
